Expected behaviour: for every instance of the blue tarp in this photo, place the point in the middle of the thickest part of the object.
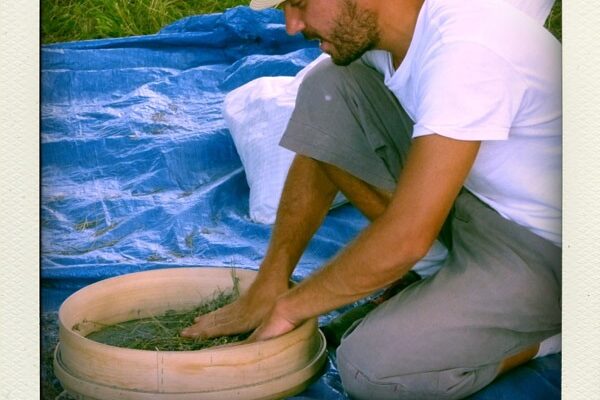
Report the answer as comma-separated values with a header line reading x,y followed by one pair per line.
x,y
140,172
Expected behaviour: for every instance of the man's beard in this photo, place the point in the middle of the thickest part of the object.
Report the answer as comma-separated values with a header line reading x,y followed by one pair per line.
x,y
354,33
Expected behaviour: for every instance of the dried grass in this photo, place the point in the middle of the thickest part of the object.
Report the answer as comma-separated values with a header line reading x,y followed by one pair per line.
x,y
161,333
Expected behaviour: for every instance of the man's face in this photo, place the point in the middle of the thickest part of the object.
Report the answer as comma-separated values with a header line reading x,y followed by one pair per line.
x,y
345,30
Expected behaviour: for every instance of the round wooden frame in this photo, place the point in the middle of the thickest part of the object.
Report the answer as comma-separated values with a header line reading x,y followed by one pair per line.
x,y
273,368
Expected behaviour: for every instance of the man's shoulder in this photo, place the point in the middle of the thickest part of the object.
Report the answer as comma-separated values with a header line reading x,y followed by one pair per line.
x,y
456,17
494,27
537,10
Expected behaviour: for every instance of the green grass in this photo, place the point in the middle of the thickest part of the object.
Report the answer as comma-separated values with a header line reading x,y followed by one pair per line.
x,y
69,20
554,21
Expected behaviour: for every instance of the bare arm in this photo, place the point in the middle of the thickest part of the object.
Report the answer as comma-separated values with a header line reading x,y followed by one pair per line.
x,y
429,183
306,198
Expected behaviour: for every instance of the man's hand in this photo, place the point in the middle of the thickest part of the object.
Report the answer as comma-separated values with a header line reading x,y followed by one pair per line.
x,y
243,315
275,324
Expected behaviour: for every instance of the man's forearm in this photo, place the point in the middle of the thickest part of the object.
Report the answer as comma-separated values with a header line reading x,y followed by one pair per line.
x,y
435,171
306,198
362,268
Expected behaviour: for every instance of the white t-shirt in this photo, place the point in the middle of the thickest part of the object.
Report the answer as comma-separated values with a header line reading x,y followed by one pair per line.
x,y
536,9
483,70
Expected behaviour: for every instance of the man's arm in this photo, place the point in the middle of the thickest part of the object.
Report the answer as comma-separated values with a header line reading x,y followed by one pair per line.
x,y
305,200
433,175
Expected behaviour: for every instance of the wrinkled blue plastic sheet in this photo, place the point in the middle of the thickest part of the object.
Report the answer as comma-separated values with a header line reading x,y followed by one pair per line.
x,y
139,170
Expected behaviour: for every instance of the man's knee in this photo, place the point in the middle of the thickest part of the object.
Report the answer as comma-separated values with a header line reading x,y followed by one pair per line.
x,y
324,82
404,356
337,122
328,82
364,379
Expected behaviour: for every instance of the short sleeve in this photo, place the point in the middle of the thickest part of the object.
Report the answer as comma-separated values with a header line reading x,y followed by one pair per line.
x,y
465,91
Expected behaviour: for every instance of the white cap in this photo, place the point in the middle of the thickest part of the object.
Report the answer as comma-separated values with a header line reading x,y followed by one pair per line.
x,y
262,4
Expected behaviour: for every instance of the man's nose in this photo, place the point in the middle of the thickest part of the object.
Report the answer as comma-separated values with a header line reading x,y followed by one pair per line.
x,y
293,20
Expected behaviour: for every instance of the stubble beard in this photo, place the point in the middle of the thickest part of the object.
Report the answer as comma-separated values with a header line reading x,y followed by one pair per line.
x,y
355,32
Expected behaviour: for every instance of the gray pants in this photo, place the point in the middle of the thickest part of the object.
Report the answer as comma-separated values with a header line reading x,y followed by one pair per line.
x,y
498,293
